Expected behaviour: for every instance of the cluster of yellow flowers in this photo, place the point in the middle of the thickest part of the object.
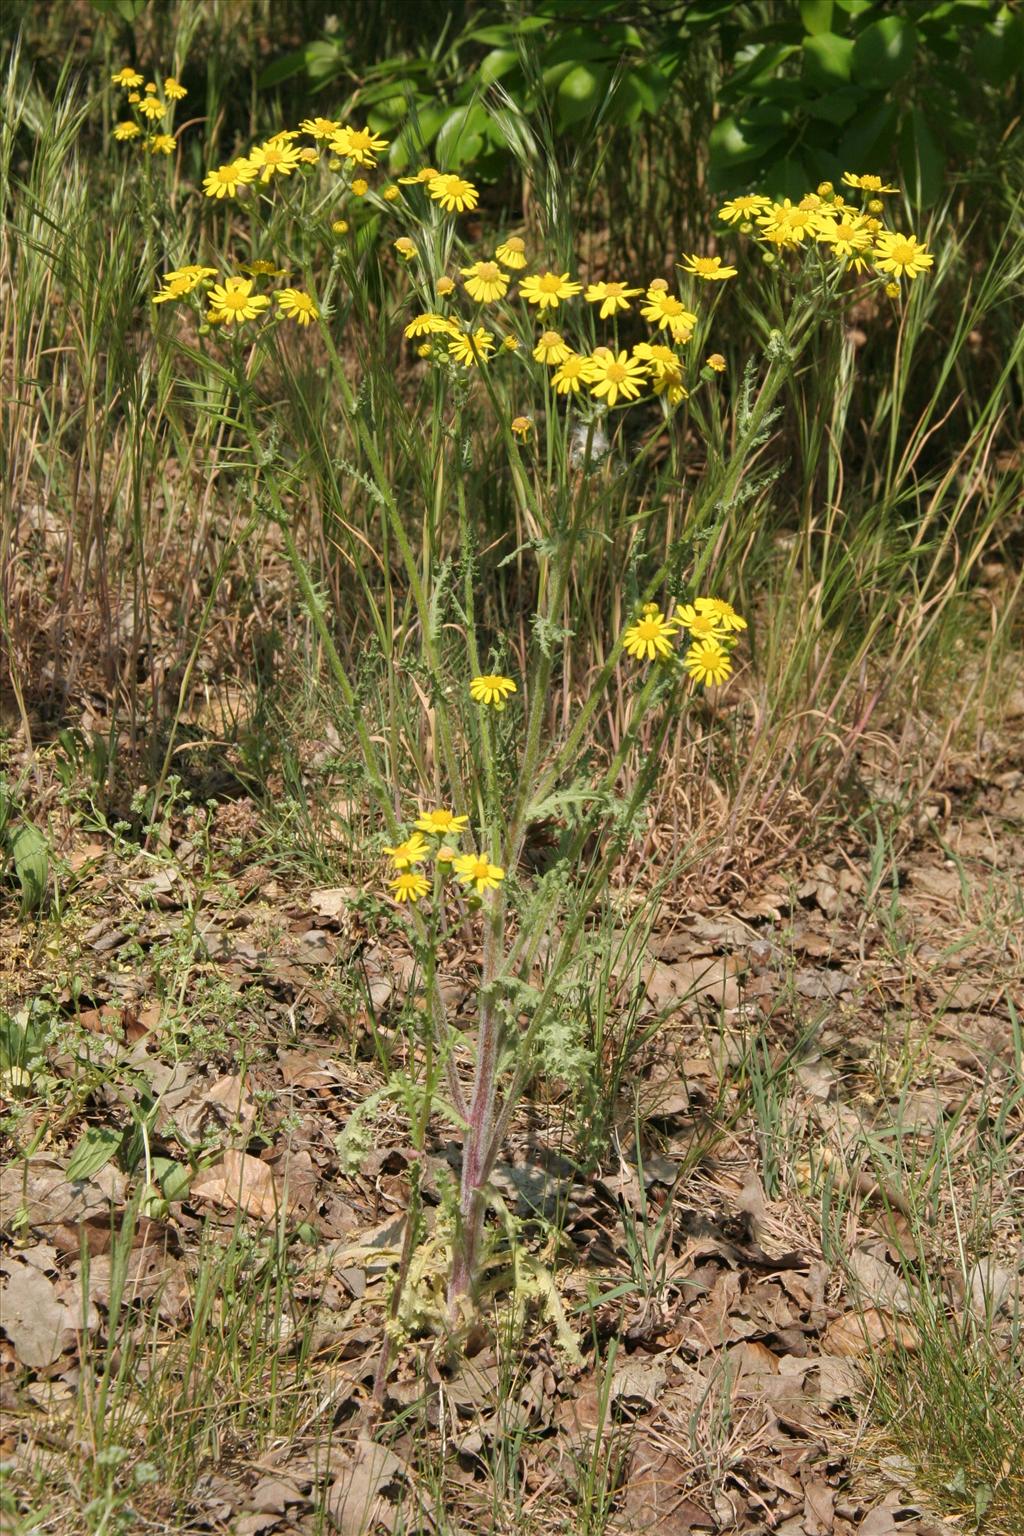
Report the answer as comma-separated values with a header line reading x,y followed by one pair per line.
x,y
855,235
474,872
711,624
149,111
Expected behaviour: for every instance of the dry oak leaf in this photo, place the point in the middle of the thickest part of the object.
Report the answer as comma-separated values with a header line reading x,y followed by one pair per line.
x,y
358,1501
38,1325
239,1181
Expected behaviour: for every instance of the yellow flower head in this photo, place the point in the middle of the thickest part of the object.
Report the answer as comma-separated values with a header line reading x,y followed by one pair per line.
x,y
339,226
702,626
260,268
611,297
319,127
547,289
405,247
391,194
573,371
127,77
441,823
444,287
409,886
226,179
665,312
469,350
892,290
298,306
412,851
127,130
427,174
174,90
358,145
478,874
785,225
551,349
521,427
666,369
612,376
715,361
867,183
849,235
743,208
510,343
428,325
234,301
161,144
512,253
151,108
276,157
454,194
708,662
486,281
650,638
492,689
360,187
901,255
708,268
724,613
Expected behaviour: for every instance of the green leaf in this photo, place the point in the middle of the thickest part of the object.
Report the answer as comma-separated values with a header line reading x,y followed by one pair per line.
x,y
324,60
837,107
496,64
128,10
30,854
174,1178
416,133
284,68
884,51
96,1147
998,54
462,137
866,143
816,16
922,163
732,144
827,60
579,91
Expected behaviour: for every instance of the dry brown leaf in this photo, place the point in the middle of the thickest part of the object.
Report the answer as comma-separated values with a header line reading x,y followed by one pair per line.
x,y
239,1180
858,1333
39,1325
358,1501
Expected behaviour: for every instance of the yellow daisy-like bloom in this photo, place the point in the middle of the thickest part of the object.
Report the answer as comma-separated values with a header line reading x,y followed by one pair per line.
x,y
441,823
308,155
233,301
612,376
454,194
892,290
849,236
867,183
715,361
360,187
446,855
391,194
151,108
469,350
785,224
724,613
573,371
547,289
901,255
650,638
444,287
824,189
274,158
127,130
127,77
405,247
551,349
486,281
151,87
666,368
261,268
319,127
297,305
428,325
521,427
708,662
428,173
358,145
611,297
174,90
512,253
133,97
226,179
491,689
409,886
708,268
480,874
413,851
664,311
702,626
161,144
339,226
510,343
424,349
175,288
745,207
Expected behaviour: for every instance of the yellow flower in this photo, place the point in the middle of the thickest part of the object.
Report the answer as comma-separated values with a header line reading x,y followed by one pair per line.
x,y
743,207
454,194
491,689
274,158
650,637
260,268
901,255
866,183
469,350
487,282
319,127
546,289
297,305
512,253
825,189
151,108
612,376
174,90
666,367
573,371
707,662
715,361
127,130
181,281
892,290
360,187
234,301
510,343
446,855
360,145
708,268
478,873
785,225
308,155
848,236
427,325
133,97
161,144
723,612
441,823
126,77
151,86
702,626
551,349
226,179
611,297
409,886
174,288
390,194
521,427
427,174
424,349
444,286
412,851
339,227
405,247
664,311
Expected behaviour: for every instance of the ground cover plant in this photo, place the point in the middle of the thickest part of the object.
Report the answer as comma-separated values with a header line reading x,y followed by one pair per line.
x,y
511,816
